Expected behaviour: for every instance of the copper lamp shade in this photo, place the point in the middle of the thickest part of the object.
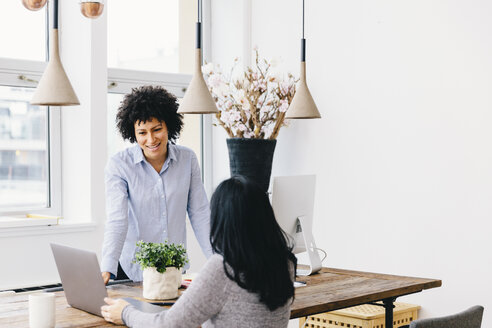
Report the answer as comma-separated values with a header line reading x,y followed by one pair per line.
x,y
34,4
91,9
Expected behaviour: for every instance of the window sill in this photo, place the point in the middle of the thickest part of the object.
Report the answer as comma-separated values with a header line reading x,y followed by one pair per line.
x,y
16,226
18,222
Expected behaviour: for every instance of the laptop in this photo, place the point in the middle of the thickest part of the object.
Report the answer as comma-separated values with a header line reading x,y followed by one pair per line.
x,y
82,282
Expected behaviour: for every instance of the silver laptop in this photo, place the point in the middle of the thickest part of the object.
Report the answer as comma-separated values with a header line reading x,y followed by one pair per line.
x,y
82,281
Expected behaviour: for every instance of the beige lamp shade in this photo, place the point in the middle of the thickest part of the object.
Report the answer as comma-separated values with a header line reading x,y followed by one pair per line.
x,y
54,88
197,98
302,106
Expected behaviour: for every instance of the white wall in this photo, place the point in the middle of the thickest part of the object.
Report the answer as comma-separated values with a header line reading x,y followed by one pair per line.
x,y
402,153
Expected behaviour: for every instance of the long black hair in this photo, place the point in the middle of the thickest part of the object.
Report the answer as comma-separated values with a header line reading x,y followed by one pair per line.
x,y
244,231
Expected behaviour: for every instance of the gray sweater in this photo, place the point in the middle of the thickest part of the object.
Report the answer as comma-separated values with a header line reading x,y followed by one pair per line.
x,y
212,300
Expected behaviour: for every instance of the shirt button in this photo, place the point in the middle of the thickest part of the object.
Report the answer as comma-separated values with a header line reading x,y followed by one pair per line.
x,y
162,196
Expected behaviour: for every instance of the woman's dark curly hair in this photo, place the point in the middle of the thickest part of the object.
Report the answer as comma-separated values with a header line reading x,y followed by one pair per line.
x,y
148,102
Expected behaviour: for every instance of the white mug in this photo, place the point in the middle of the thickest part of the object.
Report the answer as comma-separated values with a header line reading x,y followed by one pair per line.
x,y
42,310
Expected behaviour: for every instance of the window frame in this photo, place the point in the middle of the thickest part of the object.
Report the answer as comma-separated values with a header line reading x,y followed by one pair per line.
x,y
26,73
122,80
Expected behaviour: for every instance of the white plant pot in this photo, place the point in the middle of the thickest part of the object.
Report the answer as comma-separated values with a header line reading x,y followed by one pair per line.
x,y
161,286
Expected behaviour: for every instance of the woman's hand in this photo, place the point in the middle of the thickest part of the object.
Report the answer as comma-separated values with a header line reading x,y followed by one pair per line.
x,y
112,311
105,276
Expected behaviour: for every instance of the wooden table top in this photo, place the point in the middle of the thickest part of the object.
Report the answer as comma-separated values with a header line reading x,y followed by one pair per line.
x,y
328,290
333,289
14,310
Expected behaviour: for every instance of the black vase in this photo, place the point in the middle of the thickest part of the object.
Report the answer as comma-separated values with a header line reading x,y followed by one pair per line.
x,y
252,158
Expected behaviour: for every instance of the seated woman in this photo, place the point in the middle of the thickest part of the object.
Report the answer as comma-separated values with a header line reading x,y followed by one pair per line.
x,y
248,282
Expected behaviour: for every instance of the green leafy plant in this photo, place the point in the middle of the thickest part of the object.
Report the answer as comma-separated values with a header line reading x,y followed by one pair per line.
x,y
160,255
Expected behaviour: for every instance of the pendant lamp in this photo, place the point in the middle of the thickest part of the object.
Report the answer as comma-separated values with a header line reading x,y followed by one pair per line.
x,y
92,9
197,98
34,4
303,105
54,88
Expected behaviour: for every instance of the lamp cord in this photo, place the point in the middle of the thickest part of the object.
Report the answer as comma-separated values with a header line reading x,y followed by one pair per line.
x,y
303,40
200,11
303,19
199,25
55,14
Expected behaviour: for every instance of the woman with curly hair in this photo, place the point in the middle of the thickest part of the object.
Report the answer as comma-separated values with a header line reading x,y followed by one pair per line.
x,y
151,186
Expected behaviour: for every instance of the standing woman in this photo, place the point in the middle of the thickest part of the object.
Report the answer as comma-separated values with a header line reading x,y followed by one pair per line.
x,y
247,283
151,186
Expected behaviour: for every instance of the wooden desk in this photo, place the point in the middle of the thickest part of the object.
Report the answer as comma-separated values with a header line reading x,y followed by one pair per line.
x,y
14,311
331,289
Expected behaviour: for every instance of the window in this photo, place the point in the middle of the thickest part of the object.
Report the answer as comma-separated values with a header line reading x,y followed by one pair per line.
x,y
152,43
174,83
29,151
143,35
18,23
156,46
23,150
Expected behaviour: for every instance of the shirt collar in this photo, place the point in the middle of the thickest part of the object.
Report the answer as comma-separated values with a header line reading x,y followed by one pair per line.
x,y
138,155
171,152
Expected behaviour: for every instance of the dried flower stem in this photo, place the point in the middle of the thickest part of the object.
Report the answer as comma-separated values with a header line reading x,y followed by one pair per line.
x,y
228,130
253,105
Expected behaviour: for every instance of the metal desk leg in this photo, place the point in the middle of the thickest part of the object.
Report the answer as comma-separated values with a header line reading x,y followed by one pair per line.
x,y
388,307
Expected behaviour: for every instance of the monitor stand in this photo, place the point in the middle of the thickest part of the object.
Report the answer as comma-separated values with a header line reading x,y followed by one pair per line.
x,y
311,249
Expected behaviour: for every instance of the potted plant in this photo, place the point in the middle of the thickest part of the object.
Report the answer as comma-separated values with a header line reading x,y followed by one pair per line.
x,y
252,106
161,264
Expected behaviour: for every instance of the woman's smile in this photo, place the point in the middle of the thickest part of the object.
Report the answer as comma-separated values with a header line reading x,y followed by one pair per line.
x,y
152,138
153,147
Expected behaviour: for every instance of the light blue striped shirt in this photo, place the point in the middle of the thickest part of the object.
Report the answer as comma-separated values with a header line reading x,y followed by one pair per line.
x,y
142,204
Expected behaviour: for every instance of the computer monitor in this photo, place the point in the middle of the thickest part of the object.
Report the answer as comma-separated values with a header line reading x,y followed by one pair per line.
x,y
293,204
